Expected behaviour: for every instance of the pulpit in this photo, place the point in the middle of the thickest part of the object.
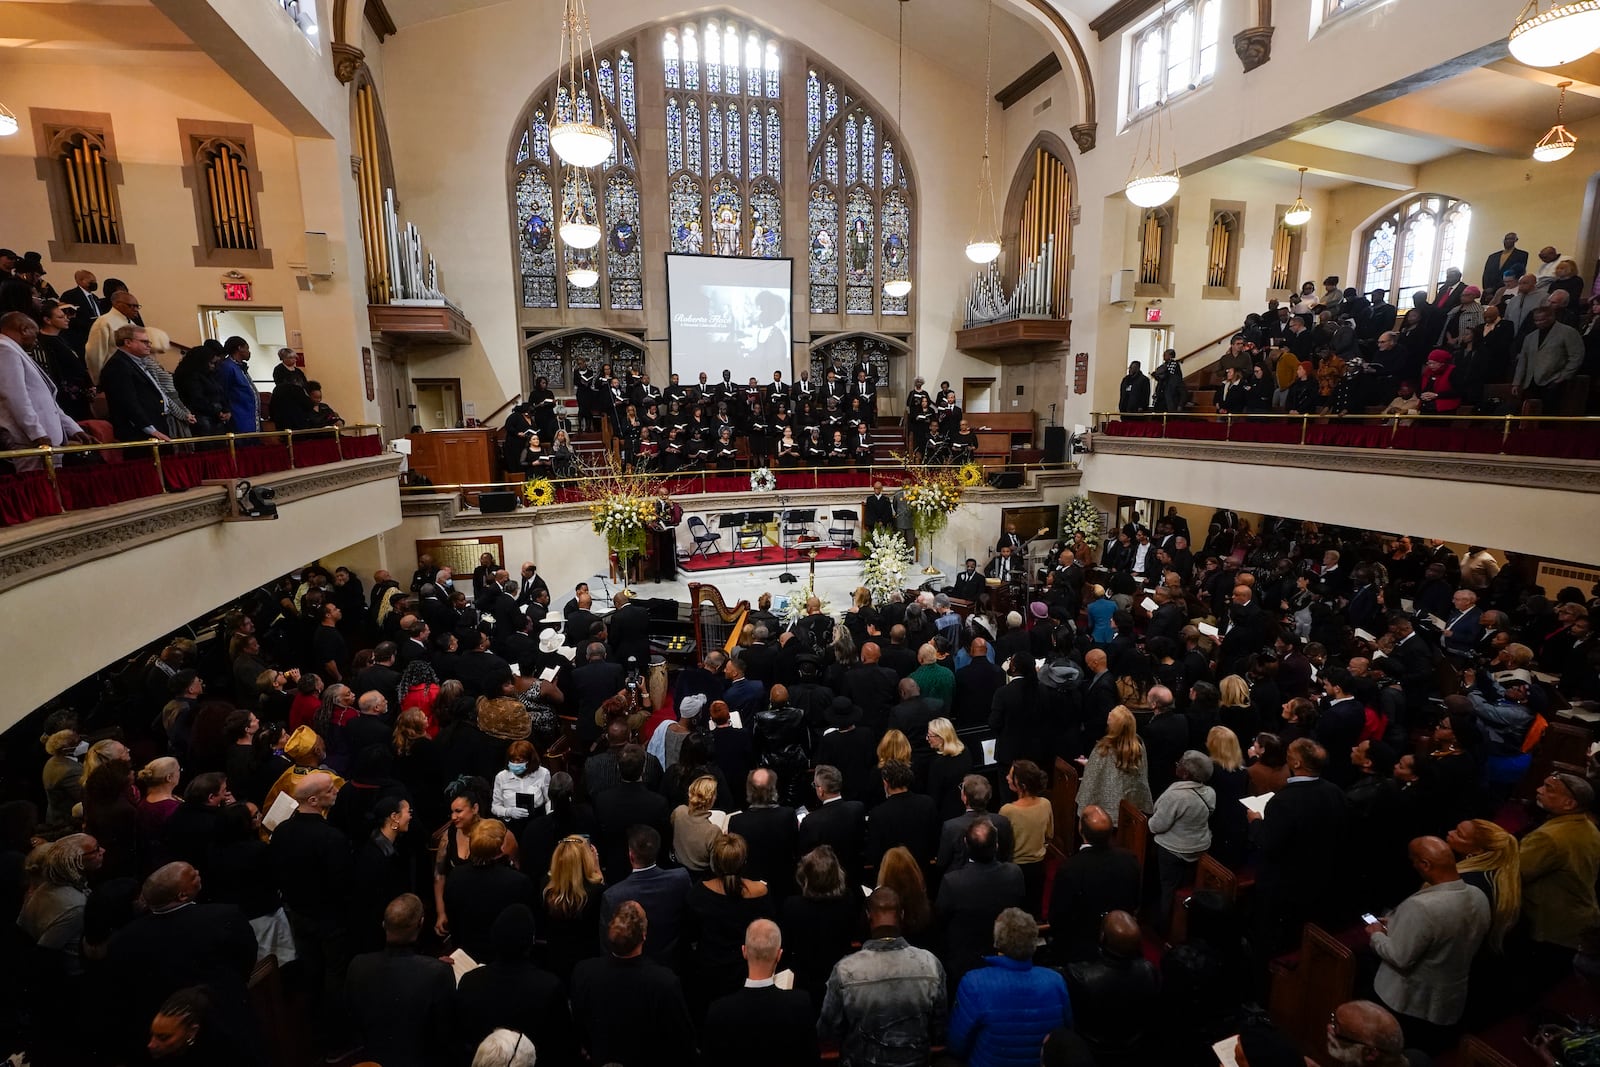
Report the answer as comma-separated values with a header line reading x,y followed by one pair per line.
x,y
457,457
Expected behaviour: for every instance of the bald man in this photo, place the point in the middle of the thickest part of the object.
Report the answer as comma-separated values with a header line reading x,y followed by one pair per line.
x,y
1116,994
1426,947
1366,1034
1099,697
760,1022
401,999
1102,877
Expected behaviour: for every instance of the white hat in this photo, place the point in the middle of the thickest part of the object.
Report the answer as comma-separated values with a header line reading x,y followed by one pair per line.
x,y
550,640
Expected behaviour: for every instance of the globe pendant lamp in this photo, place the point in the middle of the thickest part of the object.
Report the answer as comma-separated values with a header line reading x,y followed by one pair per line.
x,y
1559,34
577,229
583,277
1300,213
1156,187
1559,142
984,244
898,286
579,141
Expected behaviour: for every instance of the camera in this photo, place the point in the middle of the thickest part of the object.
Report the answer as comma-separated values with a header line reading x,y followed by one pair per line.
x,y
256,502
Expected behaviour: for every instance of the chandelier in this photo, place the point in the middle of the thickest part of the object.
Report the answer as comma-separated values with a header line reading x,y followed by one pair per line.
x,y
1559,142
898,284
1158,186
8,122
581,272
577,229
1559,34
1300,213
984,244
576,138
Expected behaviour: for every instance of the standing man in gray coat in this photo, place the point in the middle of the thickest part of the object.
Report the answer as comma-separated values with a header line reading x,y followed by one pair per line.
x,y
1426,947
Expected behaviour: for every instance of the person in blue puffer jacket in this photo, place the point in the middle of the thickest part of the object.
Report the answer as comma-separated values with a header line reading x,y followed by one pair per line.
x,y
1005,1010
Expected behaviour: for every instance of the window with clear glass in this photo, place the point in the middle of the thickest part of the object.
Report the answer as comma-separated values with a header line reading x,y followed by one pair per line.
x,y
1174,53
1409,249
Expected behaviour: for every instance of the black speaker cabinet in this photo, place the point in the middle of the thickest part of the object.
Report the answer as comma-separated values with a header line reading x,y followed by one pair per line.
x,y
497,503
1055,444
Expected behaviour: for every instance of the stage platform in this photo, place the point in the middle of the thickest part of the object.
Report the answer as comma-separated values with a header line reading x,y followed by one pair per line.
x,y
721,562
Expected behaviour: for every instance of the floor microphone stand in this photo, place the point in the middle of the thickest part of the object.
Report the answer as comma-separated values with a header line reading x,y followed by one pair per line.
x,y
783,521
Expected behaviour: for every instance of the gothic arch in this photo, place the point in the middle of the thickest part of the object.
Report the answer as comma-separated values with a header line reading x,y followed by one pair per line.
x,y
1066,40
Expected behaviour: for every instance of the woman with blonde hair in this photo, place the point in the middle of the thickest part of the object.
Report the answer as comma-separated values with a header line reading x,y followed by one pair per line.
x,y
570,905
693,831
157,781
894,746
62,777
1116,770
951,762
1236,712
900,871
1230,822
1491,861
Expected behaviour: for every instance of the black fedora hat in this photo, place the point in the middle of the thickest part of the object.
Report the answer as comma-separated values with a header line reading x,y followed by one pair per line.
x,y
842,712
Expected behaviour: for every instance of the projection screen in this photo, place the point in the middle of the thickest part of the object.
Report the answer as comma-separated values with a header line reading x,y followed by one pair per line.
x,y
726,312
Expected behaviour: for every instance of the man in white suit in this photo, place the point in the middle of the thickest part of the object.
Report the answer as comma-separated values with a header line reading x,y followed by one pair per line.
x,y
28,408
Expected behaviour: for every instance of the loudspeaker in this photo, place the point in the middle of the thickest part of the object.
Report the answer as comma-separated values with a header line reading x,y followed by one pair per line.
x,y
1055,444
497,503
1006,479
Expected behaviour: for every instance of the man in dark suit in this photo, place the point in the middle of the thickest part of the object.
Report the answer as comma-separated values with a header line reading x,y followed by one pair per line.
x,y
137,404
836,822
1099,697
878,510
760,1022
1448,298
904,818
1169,618
82,297
1301,838
1411,661
977,797
1166,737
622,808
732,747
1463,626
381,675
971,895
512,992
663,893
658,1029
1093,881
1339,726
770,832
597,681
179,943
976,685
629,630
911,717
497,602
479,669
1245,633
403,1000
1509,258
871,686
969,584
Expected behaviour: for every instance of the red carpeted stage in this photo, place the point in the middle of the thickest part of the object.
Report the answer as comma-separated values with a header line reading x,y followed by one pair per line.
x,y
799,558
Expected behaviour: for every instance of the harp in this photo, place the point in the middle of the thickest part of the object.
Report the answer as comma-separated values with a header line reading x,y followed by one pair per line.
x,y
716,625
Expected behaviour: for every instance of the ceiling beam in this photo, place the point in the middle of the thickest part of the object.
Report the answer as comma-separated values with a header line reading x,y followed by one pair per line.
x,y
1119,15
1028,81
1584,74
1341,166
65,26
1475,133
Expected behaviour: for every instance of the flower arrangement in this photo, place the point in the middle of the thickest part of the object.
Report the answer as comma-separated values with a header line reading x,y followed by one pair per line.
x,y
970,475
931,493
538,492
885,564
763,481
795,610
621,506
1080,516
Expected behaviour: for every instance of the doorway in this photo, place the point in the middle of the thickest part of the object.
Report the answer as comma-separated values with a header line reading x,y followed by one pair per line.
x,y
1147,343
264,328
438,403
977,395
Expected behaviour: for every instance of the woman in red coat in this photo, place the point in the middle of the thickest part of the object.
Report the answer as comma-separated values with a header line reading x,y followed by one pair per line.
x,y
1439,396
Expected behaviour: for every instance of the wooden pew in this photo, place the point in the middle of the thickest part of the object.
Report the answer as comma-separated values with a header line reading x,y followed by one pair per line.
x,y
1210,876
1064,807
1133,831
1308,986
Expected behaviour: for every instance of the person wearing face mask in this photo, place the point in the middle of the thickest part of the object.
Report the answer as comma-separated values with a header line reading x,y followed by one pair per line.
x,y
81,296
523,788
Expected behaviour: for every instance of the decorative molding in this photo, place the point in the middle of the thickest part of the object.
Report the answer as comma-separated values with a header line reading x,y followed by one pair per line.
x,y
1567,475
1253,46
48,546
1028,81
378,18
1119,15
1080,59
355,166
347,60
1083,135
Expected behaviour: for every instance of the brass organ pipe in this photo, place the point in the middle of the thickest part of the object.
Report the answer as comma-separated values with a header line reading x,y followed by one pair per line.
x,y
74,194
79,165
247,205
1063,240
231,184
243,198
374,177
102,184
219,174
369,211
216,203
91,183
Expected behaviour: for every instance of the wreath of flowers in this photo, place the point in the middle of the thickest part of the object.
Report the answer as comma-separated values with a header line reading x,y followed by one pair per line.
x,y
884,566
970,476
763,481
1080,516
538,492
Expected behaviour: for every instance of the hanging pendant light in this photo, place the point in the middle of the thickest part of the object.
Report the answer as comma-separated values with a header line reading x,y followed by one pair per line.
x,y
578,229
1559,142
580,142
8,122
1300,213
898,286
581,272
984,244
1559,34
1158,186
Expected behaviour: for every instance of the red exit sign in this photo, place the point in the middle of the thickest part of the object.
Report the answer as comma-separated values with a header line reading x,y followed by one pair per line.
x,y
236,290
1152,314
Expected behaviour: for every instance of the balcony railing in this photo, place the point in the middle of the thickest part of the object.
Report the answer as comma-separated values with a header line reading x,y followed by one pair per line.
x,y
78,477
1546,436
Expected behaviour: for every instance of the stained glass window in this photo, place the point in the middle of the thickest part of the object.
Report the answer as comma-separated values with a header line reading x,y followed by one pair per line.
x,y
727,213
624,262
691,59
851,150
830,158
714,135
735,142
824,251
541,136
522,148
713,59
627,104
691,136
536,246
1173,53
1409,249
772,70
674,135
860,253
584,296
608,81
730,57
766,222
896,247
869,151
757,158
688,234
669,59
774,142
813,109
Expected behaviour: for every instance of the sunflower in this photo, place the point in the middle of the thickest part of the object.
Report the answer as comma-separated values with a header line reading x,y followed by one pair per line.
x,y
970,475
538,492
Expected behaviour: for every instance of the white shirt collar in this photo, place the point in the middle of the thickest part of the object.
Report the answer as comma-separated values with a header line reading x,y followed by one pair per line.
x,y
759,983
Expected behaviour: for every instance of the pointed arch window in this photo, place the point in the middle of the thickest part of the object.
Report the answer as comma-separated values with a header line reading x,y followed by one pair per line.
x,y
1409,249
